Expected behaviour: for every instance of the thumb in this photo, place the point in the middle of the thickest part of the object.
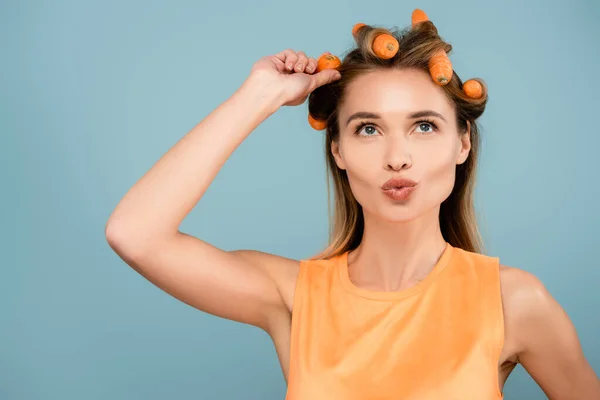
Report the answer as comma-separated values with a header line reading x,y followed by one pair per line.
x,y
324,77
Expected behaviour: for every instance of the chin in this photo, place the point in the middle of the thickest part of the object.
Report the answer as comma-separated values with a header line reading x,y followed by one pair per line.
x,y
395,213
399,215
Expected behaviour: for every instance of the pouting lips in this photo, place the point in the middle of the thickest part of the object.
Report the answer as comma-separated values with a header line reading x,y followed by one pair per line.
x,y
399,193
398,183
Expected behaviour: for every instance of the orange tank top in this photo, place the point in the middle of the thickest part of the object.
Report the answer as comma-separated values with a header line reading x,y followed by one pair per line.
x,y
439,339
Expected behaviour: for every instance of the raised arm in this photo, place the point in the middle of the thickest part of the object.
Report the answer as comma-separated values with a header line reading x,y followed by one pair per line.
x,y
241,285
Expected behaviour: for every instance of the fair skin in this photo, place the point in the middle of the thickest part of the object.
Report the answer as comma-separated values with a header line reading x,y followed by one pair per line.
x,y
401,242
405,233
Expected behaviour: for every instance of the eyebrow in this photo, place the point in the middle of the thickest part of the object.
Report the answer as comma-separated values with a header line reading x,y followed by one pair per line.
x,y
416,114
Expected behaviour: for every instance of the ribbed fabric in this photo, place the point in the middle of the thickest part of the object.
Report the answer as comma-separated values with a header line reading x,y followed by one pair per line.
x,y
439,339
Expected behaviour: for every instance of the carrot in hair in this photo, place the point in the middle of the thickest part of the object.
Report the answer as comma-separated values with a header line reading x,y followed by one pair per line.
x,y
356,28
317,124
328,61
473,88
418,16
385,46
440,67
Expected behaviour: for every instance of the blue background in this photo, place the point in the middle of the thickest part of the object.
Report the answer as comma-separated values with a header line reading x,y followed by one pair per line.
x,y
93,93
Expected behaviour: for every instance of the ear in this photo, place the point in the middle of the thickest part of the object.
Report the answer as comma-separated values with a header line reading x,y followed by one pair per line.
x,y
335,151
465,145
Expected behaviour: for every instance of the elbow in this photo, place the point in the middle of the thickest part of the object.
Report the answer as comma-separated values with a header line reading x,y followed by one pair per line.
x,y
123,242
131,244
113,233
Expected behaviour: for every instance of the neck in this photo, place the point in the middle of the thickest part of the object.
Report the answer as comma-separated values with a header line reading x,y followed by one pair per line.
x,y
394,256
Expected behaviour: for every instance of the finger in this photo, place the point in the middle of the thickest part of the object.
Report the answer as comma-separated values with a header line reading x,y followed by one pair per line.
x,y
282,55
324,77
278,63
302,62
290,60
311,66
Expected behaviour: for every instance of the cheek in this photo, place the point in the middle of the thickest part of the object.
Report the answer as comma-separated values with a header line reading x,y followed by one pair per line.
x,y
438,174
363,166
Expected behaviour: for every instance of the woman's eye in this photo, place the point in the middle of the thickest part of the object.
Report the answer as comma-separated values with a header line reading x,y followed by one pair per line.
x,y
426,127
369,130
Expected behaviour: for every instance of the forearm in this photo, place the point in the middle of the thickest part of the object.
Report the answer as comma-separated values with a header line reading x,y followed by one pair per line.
x,y
157,204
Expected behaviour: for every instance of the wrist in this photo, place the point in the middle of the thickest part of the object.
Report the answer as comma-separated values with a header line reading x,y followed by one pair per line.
x,y
263,93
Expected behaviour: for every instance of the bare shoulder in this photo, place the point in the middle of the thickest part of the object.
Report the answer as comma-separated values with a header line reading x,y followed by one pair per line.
x,y
521,291
282,270
542,338
520,286
524,296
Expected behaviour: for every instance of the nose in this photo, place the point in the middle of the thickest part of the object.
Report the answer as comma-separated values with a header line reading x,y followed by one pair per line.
x,y
398,154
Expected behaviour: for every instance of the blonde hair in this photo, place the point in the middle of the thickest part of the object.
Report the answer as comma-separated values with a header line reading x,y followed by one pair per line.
x,y
457,213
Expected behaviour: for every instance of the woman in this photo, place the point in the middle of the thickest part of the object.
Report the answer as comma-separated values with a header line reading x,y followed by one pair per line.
x,y
401,304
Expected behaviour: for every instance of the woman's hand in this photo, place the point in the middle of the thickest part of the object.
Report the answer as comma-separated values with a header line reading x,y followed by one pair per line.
x,y
291,75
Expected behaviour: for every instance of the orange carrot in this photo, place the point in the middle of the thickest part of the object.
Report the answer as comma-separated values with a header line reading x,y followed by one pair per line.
x,y
473,88
317,124
328,61
440,67
356,28
385,46
418,16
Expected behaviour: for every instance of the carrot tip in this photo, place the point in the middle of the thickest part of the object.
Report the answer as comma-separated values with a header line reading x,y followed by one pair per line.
x,y
418,16
357,27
